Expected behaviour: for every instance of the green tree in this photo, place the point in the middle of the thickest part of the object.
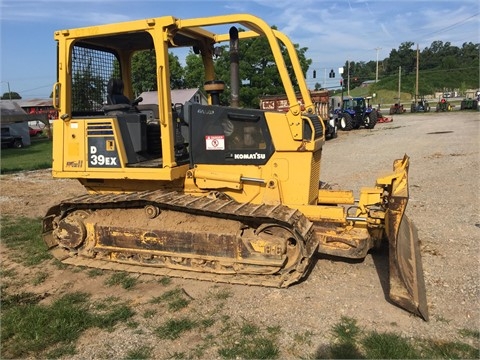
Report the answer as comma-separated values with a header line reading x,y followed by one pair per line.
x,y
177,72
405,57
194,73
88,90
144,72
257,70
11,96
359,72
469,53
442,66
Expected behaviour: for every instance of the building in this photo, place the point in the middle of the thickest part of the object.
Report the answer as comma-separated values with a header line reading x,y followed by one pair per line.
x,y
366,83
13,117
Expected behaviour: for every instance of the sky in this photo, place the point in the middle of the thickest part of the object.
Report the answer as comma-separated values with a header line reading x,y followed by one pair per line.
x,y
333,31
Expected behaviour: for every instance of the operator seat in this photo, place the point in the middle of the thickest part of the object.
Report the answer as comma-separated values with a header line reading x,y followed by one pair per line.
x,y
115,93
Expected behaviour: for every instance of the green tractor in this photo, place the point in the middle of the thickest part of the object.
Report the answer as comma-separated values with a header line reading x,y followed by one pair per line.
x,y
470,102
443,105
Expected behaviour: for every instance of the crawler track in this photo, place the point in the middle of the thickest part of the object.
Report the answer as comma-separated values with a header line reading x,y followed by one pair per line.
x,y
174,234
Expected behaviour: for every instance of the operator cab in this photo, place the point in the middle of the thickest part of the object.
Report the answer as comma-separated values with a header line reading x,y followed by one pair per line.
x,y
103,68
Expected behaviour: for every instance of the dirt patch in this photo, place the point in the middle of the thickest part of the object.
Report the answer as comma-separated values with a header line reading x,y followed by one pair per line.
x,y
32,193
444,205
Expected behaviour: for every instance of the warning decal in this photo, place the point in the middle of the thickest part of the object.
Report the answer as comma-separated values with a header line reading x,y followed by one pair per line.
x,y
215,142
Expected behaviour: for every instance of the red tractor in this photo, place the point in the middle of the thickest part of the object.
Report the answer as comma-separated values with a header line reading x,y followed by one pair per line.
x,y
397,108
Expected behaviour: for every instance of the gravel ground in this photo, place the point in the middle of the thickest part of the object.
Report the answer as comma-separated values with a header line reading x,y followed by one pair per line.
x,y
444,204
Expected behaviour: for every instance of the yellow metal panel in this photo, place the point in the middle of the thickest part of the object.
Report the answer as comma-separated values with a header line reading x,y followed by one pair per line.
x,y
333,197
142,174
218,175
206,183
74,157
280,130
217,180
108,29
230,176
296,182
57,146
280,169
280,125
73,149
314,177
368,196
319,213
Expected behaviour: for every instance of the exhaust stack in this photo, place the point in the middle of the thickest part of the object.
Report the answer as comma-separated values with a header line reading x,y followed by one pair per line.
x,y
234,68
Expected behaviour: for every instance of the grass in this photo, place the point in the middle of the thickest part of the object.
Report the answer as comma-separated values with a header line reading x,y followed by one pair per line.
x,y
164,280
29,328
39,278
173,328
33,329
383,97
349,342
63,350
249,341
474,334
95,272
23,236
176,299
221,294
304,338
149,313
388,346
36,156
141,352
121,278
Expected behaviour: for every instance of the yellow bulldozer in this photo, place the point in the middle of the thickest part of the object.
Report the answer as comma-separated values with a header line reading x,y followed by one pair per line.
x,y
207,191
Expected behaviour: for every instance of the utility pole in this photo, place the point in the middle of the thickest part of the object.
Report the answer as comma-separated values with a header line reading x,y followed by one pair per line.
x,y
399,82
348,77
325,78
416,80
376,72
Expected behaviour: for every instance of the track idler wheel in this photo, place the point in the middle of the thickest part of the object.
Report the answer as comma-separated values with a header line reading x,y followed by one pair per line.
x,y
294,248
70,231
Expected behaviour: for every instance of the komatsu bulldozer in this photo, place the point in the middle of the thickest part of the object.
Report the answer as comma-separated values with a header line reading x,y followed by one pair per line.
x,y
209,191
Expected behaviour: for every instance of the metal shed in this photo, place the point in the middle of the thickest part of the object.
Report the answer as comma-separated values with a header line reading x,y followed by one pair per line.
x,y
16,119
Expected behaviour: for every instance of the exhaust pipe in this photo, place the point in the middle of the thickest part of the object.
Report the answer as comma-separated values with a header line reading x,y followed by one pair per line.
x,y
234,68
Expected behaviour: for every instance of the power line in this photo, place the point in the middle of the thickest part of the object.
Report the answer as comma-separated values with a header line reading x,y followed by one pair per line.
x,y
444,70
37,88
451,26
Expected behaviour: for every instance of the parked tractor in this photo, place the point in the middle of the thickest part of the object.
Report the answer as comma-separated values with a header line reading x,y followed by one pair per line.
x,y
443,105
356,112
469,103
420,104
397,108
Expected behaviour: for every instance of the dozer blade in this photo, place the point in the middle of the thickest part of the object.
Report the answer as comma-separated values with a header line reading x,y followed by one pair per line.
x,y
407,285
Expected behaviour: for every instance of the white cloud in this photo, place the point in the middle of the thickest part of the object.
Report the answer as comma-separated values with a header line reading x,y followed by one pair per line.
x,y
71,12
333,31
